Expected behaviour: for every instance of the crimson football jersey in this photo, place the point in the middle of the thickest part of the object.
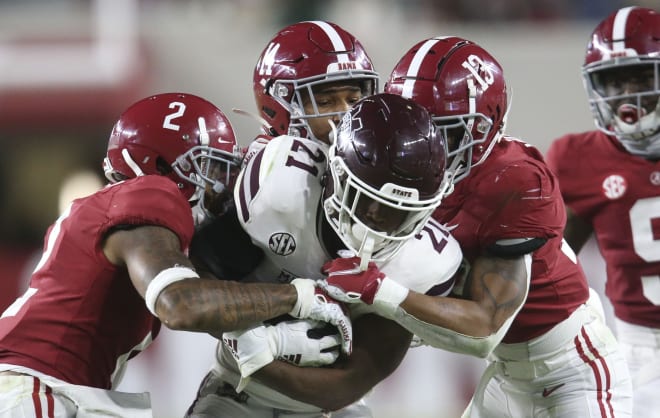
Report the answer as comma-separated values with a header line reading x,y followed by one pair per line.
x,y
81,317
619,195
512,194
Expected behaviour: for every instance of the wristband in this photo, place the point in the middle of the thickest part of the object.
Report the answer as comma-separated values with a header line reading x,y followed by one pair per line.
x,y
162,280
305,289
389,296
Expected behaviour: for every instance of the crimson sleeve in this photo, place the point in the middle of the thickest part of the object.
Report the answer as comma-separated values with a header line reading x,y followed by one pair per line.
x,y
151,200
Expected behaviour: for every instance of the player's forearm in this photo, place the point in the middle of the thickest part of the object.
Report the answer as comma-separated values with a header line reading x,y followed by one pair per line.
x,y
463,332
459,315
496,289
379,348
327,388
217,305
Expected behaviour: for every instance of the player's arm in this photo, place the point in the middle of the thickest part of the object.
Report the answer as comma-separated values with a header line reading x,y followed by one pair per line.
x,y
182,300
379,346
577,231
474,323
495,288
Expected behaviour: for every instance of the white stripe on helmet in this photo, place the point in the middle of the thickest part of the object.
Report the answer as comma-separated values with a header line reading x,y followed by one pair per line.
x,y
415,65
334,37
619,29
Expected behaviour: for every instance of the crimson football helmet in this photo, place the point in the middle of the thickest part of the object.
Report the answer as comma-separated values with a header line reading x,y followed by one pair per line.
x,y
388,175
463,88
621,75
299,58
177,135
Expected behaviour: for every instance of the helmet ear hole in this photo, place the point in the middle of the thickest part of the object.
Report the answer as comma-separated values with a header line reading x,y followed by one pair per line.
x,y
163,167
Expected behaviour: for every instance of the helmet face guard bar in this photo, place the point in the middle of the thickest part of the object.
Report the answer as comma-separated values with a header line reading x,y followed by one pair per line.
x,y
297,90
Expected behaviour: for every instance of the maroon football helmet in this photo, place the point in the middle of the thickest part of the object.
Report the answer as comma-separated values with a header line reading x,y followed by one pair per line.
x,y
177,135
388,175
300,57
621,74
463,88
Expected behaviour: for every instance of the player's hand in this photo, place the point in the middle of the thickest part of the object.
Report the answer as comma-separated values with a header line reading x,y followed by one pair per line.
x,y
347,283
304,342
251,350
314,303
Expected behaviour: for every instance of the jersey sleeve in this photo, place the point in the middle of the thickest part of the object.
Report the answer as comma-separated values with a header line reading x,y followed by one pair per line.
x,y
522,201
150,200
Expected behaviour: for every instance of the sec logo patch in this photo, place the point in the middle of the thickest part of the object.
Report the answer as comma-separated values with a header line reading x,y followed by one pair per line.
x,y
282,243
614,186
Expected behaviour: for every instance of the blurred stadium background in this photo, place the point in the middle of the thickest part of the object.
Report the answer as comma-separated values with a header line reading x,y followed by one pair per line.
x,y
69,67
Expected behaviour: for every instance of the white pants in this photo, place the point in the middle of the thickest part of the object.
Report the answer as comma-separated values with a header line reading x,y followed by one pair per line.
x,y
218,398
574,370
641,349
25,396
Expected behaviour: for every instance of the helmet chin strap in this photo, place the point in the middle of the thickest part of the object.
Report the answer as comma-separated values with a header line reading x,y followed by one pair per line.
x,y
131,163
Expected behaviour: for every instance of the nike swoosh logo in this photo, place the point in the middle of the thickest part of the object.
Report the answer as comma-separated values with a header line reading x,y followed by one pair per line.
x,y
547,392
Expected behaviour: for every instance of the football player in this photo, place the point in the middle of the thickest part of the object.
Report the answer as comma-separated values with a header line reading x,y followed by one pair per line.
x,y
524,303
114,267
368,197
615,191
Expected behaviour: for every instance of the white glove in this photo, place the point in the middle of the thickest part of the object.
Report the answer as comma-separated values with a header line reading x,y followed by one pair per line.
x,y
289,341
314,303
250,349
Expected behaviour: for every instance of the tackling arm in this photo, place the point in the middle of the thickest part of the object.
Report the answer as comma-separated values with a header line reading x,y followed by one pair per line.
x,y
494,292
193,304
474,323
378,348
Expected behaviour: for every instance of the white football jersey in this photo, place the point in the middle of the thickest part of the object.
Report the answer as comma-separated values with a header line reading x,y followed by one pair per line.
x,y
278,199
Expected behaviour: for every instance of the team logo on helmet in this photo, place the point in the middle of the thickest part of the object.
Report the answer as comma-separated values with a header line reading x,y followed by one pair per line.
x,y
282,243
268,60
347,130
